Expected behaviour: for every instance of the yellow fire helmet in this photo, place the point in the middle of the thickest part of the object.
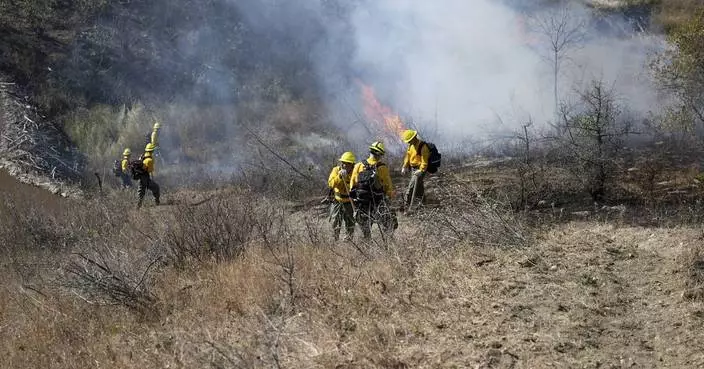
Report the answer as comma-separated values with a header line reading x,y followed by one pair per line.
x,y
127,152
149,148
377,148
348,157
157,125
408,135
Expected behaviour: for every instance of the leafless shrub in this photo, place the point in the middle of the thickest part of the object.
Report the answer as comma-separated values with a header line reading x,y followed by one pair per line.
x,y
590,135
108,275
560,29
482,221
283,256
313,231
216,230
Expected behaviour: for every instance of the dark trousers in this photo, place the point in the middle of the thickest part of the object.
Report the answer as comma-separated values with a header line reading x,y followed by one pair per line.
x,y
341,212
126,180
378,212
146,183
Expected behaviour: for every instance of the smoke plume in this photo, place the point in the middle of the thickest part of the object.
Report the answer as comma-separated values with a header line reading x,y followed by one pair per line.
x,y
295,71
463,69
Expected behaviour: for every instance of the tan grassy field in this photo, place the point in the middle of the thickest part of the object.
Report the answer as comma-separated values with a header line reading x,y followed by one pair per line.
x,y
584,294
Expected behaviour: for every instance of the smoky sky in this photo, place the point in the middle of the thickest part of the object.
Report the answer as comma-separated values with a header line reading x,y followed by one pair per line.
x,y
454,69
458,68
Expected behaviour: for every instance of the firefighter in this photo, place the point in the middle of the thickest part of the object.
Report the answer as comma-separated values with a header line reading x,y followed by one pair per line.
x,y
144,176
124,164
371,190
154,138
415,162
342,209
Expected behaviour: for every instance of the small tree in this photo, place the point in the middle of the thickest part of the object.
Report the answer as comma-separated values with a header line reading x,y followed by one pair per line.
x,y
561,30
591,133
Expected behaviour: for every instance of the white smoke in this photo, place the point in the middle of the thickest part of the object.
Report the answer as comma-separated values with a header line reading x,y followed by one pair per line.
x,y
474,67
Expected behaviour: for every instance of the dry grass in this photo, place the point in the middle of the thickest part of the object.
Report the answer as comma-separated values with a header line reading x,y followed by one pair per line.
x,y
578,298
583,294
693,261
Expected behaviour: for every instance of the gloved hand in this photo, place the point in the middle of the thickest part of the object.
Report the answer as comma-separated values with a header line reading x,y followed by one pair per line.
x,y
417,172
343,173
404,170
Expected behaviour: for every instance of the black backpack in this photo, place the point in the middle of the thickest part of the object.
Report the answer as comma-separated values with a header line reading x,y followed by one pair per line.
x,y
137,168
368,186
117,168
435,157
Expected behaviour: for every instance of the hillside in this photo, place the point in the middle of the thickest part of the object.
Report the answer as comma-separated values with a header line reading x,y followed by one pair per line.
x,y
585,293
104,72
563,228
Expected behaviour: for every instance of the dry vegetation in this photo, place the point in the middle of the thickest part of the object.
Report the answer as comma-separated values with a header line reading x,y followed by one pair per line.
x,y
582,250
236,279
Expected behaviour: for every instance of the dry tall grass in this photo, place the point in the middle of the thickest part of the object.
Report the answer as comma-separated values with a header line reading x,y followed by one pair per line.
x,y
242,281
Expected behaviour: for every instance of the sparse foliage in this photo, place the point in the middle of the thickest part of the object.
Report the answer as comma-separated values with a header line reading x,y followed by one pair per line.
x,y
561,29
591,133
109,275
216,231
481,221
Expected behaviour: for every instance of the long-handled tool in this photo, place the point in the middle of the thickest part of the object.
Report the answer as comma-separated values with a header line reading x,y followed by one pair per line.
x,y
347,188
413,195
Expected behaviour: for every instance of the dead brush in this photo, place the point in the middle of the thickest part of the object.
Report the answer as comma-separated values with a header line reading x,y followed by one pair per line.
x,y
482,221
217,230
111,276
693,261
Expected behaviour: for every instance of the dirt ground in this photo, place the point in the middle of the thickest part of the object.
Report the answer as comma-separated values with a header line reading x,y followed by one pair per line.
x,y
12,188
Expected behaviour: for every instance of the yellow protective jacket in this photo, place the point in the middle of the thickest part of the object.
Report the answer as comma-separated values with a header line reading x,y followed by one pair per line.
x,y
154,138
125,164
382,173
339,185
148,162
417,160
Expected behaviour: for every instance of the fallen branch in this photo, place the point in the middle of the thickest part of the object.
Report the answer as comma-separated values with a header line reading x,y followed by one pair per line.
x,y
261,142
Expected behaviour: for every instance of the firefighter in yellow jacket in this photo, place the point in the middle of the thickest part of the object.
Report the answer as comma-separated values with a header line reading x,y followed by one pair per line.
x,y
415,162
154,139
342,209
371,190
124,164
144,176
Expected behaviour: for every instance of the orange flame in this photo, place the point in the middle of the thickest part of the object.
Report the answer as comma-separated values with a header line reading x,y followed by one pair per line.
x,y
380,115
